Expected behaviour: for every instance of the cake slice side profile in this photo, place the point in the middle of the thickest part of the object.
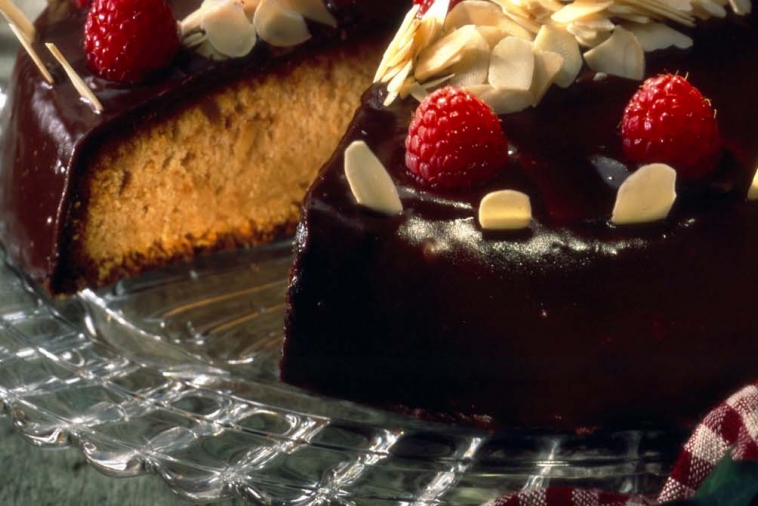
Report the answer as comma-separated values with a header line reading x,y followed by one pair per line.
x,y
593,313
213,152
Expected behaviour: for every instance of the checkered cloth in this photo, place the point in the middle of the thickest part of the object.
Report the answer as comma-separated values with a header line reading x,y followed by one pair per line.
x,y
733,425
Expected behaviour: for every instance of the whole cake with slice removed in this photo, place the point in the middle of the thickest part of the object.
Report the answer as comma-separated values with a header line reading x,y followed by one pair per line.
x,y
587,263
196,132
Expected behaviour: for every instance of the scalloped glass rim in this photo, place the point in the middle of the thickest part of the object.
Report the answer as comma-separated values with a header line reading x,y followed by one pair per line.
x,y
174,374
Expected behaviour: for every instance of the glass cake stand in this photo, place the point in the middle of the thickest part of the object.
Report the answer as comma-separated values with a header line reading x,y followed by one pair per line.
x,y
175,374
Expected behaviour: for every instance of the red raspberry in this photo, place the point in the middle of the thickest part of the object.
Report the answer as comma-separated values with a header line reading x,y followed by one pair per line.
x,y
127,40
669,121
425,4
454,141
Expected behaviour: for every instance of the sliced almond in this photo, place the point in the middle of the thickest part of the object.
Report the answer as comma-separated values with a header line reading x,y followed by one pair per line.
x,y
405,34
492,34
741,7
707,9
279,25
474,64
503,101
229,30
752,193
315,10
655,36
579,9
431,25
473,12
547,65
559,41
443,53
505,210
512,64
621,55
369,181
645,196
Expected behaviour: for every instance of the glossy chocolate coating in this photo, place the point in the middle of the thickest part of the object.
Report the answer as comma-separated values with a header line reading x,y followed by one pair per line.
x,y
48,131
573,323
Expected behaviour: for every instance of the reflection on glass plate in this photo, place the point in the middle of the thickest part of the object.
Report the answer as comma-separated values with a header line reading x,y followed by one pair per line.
x,y
175,374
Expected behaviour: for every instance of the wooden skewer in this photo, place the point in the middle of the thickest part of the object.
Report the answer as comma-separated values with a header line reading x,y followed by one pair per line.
x,y
76,80
15,17
32,53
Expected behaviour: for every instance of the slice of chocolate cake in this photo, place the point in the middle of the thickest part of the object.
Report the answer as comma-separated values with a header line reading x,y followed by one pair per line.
x,y
587,300
215,150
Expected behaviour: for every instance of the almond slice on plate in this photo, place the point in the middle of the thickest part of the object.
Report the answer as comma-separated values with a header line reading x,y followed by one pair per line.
x,y
547,65
646,196
369,181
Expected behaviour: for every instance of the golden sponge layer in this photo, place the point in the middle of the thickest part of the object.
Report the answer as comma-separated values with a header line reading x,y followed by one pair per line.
x,y
228,170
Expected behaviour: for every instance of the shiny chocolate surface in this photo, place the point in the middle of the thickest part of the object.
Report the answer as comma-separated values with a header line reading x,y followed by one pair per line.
x,y
571,324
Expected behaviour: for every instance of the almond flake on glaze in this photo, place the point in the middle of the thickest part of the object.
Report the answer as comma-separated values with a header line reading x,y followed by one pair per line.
x,y
369,181
646,196
279,25
505,210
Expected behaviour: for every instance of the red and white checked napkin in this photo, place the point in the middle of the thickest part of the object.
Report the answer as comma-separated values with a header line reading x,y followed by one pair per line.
x,y
731,426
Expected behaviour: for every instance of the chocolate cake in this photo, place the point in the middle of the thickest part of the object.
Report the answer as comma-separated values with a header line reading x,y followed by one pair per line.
x,y
209,153
573,322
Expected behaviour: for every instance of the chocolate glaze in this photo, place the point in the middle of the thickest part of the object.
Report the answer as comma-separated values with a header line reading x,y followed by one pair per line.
x,y
49,131
573,323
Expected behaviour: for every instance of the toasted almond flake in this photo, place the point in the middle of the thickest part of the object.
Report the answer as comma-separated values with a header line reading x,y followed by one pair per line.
x,y
443,53
404,35
76,80
396,82
505,210
752,193
546,67
585,36
279,25
473,12
647,195
706,9
417,91
655,36
558,41
229,30
32,53
315,10
194,39
431,25
621,55
512,64
16,17
741,7
369,181
474,64
503,101
526,22
578,10
492,34
430,85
